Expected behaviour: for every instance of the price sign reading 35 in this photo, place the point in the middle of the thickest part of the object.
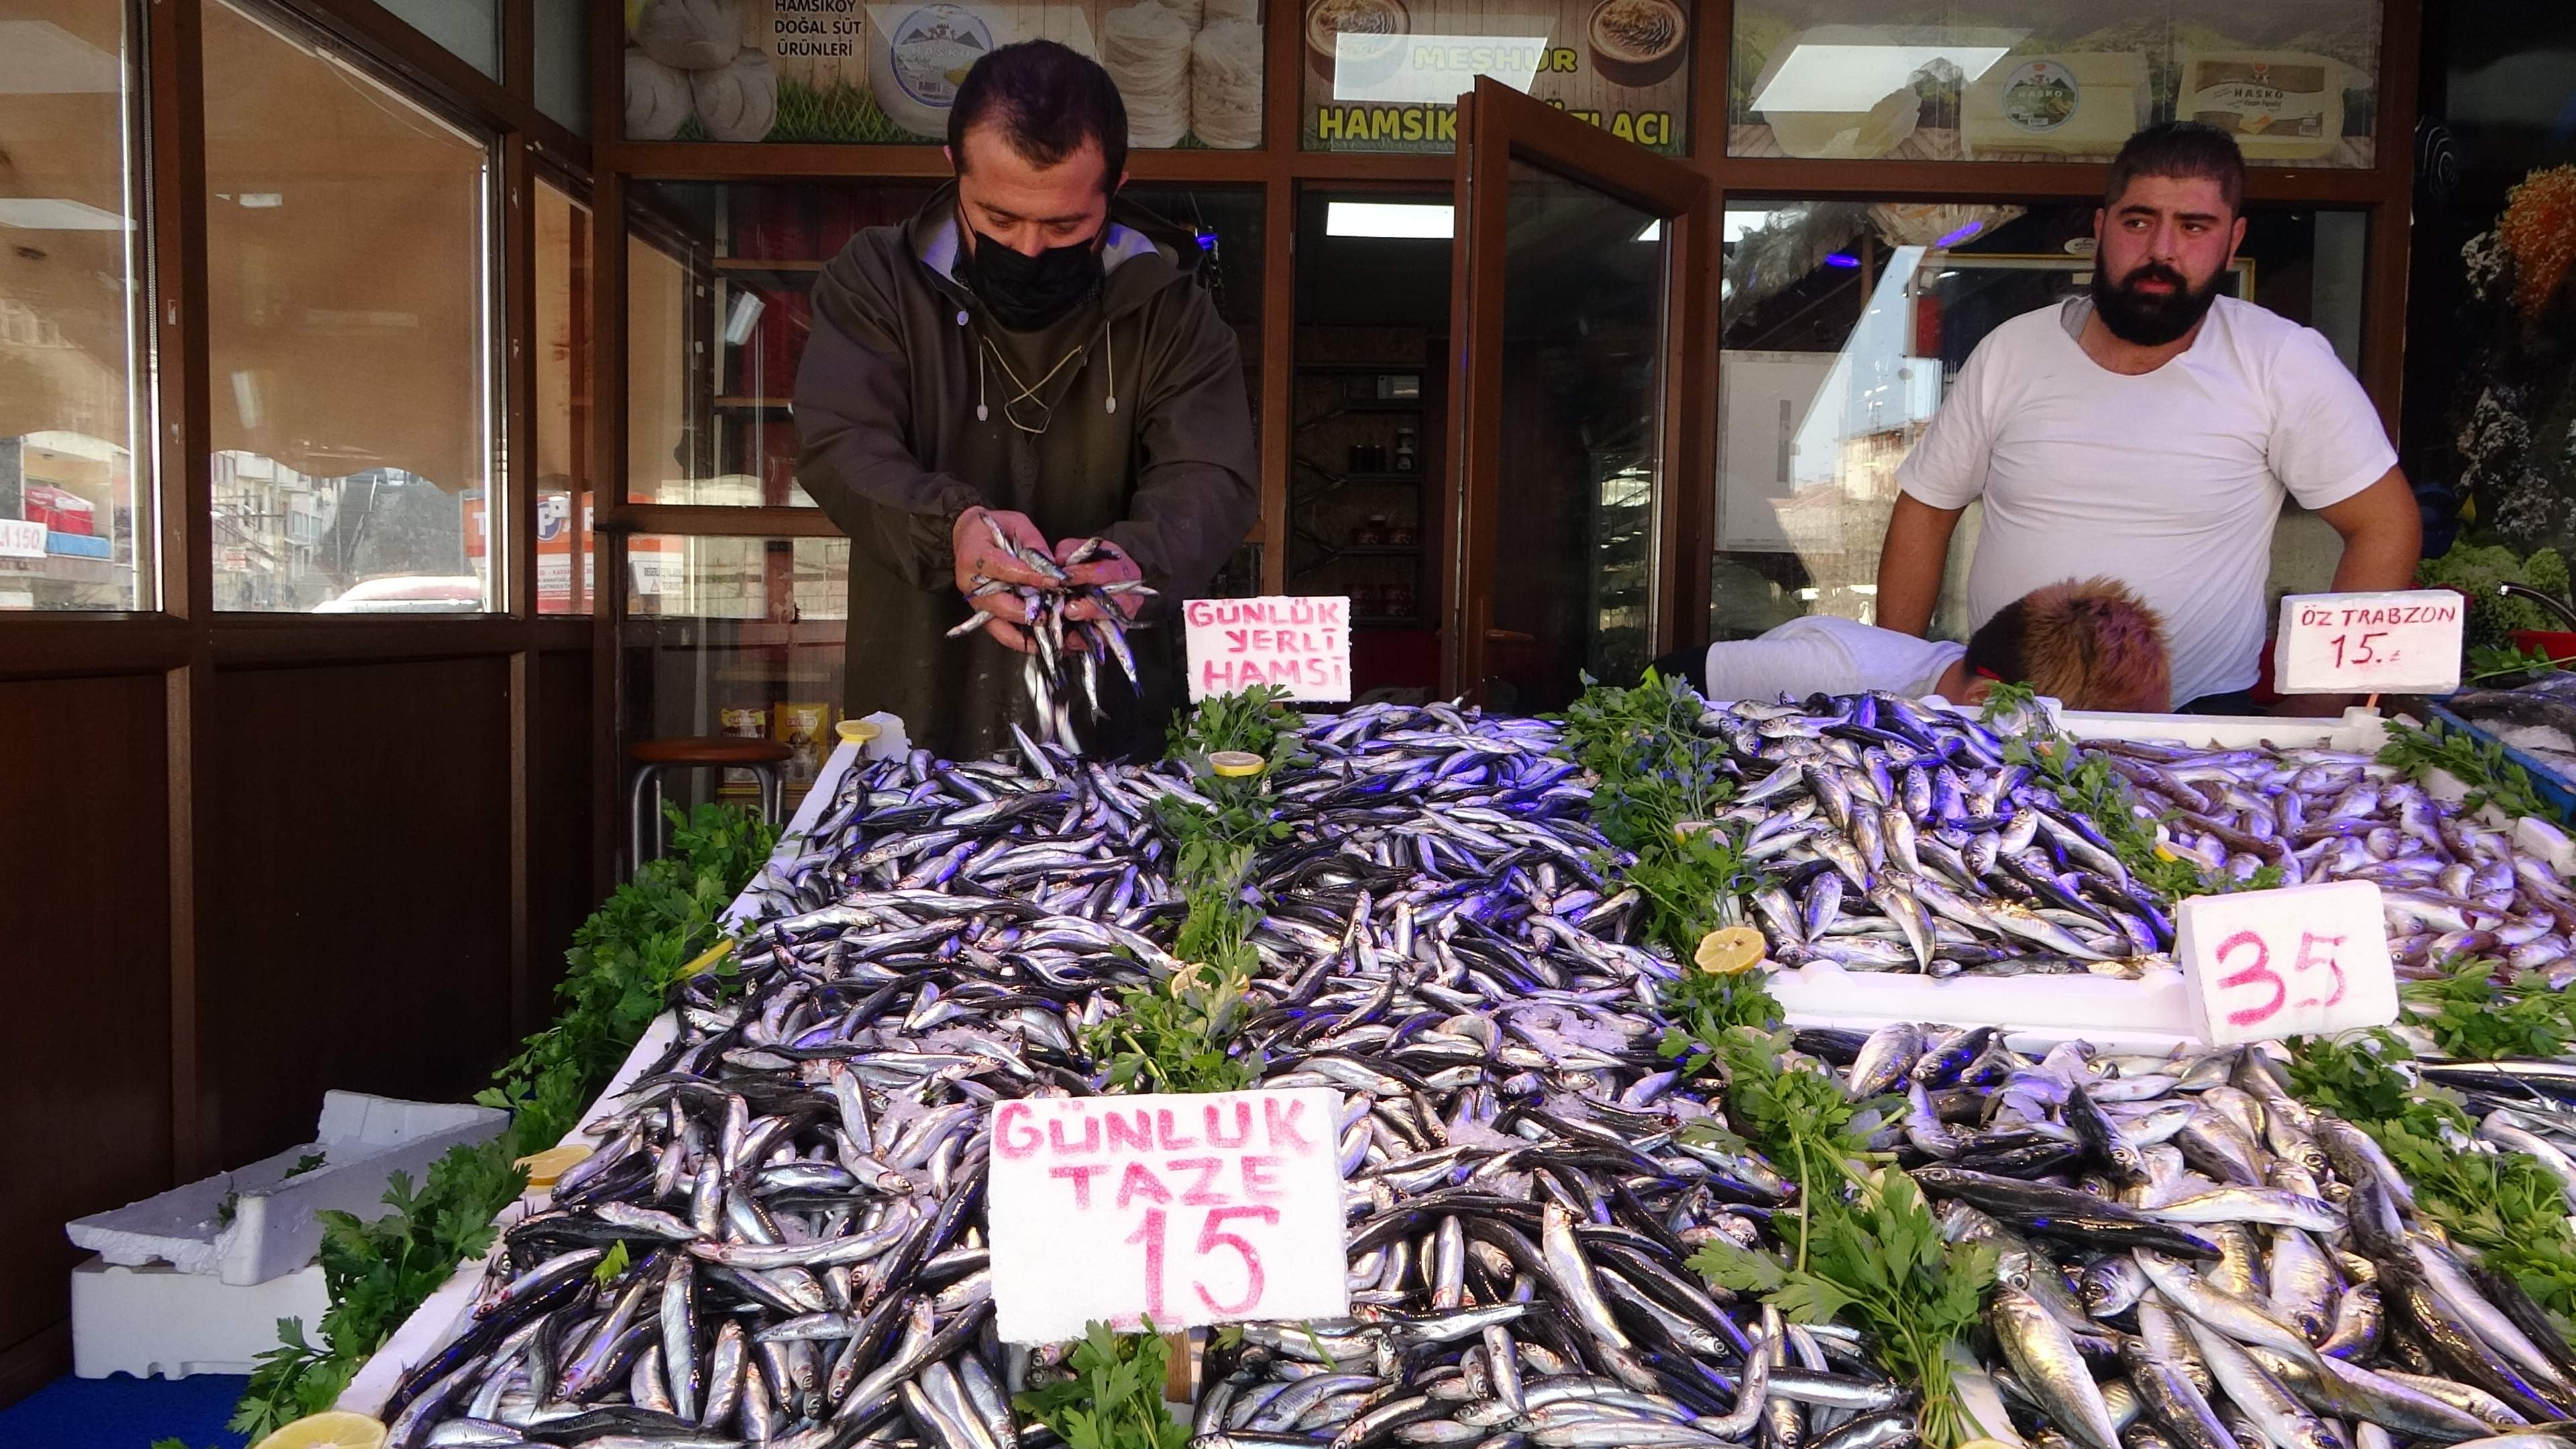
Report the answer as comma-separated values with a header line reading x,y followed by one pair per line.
x,y
1214,1208
2263,965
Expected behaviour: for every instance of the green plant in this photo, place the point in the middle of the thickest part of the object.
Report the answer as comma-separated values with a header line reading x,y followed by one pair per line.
x,y
1659,781
1703,1006
309,1162
624,961
2091,787
2471,1018
2493,618
1867,1248
1255,721
2502,1206
2488,663
1114,1399
2492,779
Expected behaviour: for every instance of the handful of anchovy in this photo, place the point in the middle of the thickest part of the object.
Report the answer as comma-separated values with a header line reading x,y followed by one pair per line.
x,y
1064,649
2193,1259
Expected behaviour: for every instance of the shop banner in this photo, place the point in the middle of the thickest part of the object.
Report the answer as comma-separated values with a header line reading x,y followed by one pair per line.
x,y
853,71
1220,1207
1385,75
2300,961
2369,643
1301,644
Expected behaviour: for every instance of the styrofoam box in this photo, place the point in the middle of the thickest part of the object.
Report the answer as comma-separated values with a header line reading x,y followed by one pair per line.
x,y
158,1320
274,1230
2151,1014
446,1313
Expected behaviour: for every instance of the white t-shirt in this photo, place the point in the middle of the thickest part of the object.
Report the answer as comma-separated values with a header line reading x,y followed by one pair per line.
x,y
2169,481
1827,654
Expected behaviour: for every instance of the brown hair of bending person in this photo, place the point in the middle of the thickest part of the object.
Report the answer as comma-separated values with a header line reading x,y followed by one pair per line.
x,y
2088,643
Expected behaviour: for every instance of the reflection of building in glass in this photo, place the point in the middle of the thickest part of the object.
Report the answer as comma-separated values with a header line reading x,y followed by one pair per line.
x,y
287,540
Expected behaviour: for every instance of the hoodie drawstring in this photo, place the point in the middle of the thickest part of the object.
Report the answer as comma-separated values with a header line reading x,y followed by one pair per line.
x,y
1027,392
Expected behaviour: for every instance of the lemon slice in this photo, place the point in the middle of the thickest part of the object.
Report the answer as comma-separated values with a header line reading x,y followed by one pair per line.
x,y
1236,764
1730,949
544,1168
858,731
334,1429
1192,974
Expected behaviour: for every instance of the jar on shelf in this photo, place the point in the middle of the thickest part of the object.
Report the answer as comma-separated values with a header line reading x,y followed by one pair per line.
x,y
1395,601
1364,600
1373,532
1399,535
1405,458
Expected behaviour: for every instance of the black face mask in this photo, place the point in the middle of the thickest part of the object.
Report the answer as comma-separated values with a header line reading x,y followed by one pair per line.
x,y
2151,319
1028,294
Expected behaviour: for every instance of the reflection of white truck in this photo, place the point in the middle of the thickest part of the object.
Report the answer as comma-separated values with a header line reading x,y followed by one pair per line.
x,y
409,594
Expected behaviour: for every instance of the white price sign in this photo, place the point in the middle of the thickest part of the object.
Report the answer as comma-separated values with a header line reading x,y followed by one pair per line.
x,y
2369,643
1302,644
1187,1210
2263,965
21,539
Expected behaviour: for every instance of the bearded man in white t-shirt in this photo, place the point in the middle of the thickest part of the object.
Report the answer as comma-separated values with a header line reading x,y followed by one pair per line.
x,y
2149,432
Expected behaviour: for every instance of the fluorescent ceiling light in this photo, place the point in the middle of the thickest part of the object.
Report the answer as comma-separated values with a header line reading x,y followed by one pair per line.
x,y
52,213
1824,77
1654,231
1434,69
40,58
1421,220
260,200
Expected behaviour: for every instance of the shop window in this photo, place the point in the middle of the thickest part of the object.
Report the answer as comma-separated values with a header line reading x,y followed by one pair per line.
x,y
566,578
736,636
719,306
349,296
471,29
562,59
1379,76
76,526
1844,324
2297,81
844,71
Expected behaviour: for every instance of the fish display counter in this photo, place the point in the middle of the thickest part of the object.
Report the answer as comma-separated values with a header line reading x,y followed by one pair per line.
x,y
1580,1211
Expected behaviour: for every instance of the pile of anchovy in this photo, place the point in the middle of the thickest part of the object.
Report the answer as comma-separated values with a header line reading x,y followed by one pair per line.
x,y
1064,649
2449,884
1896,837
2189,1258
795,1188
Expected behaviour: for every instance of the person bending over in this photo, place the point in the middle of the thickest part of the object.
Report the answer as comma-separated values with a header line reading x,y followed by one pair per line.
x,y
2087,643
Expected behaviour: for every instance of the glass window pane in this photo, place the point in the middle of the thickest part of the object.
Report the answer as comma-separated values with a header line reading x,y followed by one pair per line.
x,y
76,528
563,63
718,311
565,577
470,28
347,249
1380,76
2032,80
1845,323
736,636
1582,434
1367,450
850,72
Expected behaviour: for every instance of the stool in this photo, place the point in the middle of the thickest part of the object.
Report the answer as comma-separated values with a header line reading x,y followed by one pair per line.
x,y
653,757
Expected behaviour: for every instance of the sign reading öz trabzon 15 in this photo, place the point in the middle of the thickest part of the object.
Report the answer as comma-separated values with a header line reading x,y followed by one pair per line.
x,y
1385,75
871,71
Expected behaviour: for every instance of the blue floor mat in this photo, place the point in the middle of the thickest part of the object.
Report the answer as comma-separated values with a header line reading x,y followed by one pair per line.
x,y
124,1412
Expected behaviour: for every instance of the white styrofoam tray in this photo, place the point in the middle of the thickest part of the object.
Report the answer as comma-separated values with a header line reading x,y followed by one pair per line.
x,y
273,1230
159,1320
2151,1014
444,1314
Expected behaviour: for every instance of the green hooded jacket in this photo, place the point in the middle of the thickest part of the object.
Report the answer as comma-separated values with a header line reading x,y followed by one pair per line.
x,y
1131,425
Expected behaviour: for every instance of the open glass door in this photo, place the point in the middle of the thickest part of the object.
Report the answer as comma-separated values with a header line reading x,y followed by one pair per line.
x,y
1579,424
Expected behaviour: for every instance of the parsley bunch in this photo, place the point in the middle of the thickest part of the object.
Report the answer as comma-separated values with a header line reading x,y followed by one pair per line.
x,y
2473,1019
1114,1399
2491,778
1868,1248
2502,1206
1659,778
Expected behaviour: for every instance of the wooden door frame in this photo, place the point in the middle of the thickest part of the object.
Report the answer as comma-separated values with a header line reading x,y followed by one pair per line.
x,y
1497,125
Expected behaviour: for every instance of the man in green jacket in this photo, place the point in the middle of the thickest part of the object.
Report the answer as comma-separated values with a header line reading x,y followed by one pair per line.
x,y
1025,355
